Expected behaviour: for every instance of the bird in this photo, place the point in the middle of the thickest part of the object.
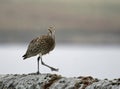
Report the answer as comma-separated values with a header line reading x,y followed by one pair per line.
x,y
40,46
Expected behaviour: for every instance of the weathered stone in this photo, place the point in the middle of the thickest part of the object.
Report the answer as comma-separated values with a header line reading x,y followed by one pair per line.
x,y
105,84
54,81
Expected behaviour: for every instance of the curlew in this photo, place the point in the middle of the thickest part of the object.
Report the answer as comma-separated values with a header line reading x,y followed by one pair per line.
x,y
41,46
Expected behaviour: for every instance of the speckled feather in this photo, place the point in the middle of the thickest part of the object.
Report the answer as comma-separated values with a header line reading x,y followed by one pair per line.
x,y
43,44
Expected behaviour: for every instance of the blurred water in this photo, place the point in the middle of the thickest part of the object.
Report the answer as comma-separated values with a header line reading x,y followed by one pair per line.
x,y
76,60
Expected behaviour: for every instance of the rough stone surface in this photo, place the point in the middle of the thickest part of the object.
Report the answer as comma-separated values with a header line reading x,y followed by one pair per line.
x,y
54,81
105,84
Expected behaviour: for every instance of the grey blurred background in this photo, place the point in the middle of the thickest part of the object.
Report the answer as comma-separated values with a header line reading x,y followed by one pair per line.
x,y
76,21
87,35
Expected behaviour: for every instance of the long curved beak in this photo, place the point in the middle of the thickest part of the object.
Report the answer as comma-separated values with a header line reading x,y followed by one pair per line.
x,y
50,30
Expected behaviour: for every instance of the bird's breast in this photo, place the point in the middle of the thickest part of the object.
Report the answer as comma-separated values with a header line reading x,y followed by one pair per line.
x,y
47,45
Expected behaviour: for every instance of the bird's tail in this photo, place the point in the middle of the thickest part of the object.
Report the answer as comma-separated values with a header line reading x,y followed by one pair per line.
x,y
24,56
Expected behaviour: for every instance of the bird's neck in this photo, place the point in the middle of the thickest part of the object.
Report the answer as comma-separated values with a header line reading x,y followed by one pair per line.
x,y
52,35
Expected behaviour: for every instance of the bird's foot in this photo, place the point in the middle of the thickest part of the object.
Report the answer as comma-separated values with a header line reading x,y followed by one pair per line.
x,y
54,69
38,72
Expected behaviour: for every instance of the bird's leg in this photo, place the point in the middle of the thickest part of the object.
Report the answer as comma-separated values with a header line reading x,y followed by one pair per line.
x,y
38,64
52,69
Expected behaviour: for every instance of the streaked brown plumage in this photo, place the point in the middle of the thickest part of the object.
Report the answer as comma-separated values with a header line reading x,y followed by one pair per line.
x,y
41,46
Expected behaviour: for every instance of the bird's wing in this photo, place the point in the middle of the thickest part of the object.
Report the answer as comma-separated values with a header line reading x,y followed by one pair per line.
x,y
34,46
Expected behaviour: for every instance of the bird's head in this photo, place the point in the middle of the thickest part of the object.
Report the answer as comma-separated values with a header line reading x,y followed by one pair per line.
x,y
51,29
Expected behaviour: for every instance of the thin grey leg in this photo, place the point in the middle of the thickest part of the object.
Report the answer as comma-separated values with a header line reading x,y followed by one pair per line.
x,y
52,68
38,59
